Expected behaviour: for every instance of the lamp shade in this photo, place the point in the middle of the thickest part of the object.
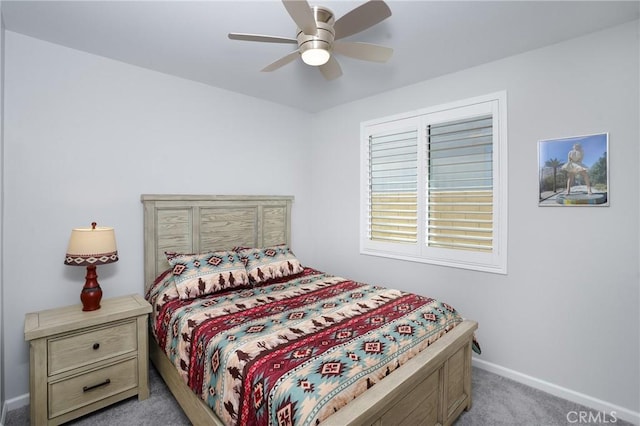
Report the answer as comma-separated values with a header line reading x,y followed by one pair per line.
x,y
91,246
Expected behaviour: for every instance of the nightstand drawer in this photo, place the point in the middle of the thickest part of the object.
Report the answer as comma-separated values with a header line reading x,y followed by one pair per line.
x,y
78,391
75,350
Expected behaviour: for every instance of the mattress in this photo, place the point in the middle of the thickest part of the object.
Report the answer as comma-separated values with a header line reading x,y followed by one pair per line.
x,y
292,350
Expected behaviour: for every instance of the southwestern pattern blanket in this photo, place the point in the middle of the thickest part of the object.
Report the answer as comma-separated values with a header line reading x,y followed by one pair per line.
x,y
294,350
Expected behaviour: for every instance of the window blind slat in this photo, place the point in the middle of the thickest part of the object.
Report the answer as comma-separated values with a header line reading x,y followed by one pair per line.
x,y
461,246
458,229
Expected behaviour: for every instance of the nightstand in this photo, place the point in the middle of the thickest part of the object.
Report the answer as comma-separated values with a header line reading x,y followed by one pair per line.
x,y
83,361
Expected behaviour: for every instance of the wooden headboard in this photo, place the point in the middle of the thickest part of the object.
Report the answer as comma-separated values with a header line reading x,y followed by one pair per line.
x,y
198,223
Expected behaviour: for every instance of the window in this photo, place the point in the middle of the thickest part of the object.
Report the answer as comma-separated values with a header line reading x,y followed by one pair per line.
x,y
434,185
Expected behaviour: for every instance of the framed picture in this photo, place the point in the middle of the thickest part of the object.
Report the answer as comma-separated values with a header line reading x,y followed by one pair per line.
x,y
574,171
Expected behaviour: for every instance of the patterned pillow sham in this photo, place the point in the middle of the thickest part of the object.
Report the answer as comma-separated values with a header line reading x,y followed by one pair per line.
x,y
270,262
201,274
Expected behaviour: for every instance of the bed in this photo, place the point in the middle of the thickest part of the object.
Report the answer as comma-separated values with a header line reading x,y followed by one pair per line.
x,y
433,387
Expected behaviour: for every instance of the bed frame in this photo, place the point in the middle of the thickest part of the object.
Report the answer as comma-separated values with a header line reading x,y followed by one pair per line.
x,y
432,388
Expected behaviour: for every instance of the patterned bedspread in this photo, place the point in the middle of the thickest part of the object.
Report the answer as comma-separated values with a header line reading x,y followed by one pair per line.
x,y
295,350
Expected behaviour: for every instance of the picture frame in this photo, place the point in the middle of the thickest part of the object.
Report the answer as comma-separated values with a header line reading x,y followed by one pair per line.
x,y
574,171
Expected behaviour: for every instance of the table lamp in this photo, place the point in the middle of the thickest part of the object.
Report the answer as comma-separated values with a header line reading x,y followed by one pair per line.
x,y
90,247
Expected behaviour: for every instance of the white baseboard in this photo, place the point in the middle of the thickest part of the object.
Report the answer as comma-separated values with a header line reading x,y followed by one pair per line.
x,y
14,403
559,391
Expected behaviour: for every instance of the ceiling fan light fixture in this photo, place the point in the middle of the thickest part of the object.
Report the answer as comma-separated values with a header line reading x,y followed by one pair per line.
x,y
315,57
318,29
315,49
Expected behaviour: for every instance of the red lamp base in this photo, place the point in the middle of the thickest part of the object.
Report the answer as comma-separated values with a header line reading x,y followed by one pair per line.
x,y
91,292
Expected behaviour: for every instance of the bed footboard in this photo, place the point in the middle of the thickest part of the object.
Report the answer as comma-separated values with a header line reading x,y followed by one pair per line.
x,y
432,388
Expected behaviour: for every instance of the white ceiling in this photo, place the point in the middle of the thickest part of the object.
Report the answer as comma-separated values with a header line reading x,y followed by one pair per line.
x,y
189,39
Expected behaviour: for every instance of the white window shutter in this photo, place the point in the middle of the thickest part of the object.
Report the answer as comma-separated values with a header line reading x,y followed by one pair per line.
x,y
433,185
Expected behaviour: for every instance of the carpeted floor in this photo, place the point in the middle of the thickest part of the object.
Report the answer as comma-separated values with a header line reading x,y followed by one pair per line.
x,y
496,401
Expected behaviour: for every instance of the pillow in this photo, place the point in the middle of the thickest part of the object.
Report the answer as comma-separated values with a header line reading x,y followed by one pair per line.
x,y
201,274
270,262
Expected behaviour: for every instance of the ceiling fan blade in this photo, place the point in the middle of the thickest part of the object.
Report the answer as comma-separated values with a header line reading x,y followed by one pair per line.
x,y
361,18
302,15
263,38
282,61
331,69
363,51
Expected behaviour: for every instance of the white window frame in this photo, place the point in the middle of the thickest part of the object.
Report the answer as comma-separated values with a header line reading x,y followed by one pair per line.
x,y
494,261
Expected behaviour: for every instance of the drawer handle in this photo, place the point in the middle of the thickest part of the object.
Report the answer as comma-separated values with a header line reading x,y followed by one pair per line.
x,y
88,388
96,346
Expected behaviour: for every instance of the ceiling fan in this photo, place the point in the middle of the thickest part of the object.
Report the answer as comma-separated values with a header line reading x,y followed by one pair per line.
x,y
318,34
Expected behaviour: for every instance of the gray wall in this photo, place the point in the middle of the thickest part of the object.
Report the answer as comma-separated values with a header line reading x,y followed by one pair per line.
x,y
85,136
567,313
